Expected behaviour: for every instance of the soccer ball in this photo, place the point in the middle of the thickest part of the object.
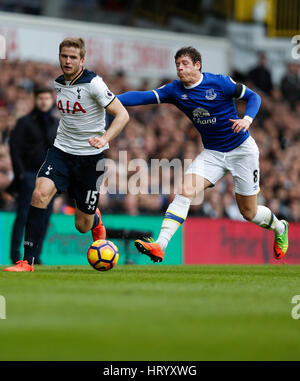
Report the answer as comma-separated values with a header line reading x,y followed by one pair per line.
x,y
103,255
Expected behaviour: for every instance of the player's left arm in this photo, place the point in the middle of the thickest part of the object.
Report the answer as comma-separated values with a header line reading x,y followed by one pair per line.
x,y
149,97
106,99
137,98
121,118
240,91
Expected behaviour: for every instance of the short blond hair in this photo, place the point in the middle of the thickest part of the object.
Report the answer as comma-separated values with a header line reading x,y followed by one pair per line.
x,y
74,42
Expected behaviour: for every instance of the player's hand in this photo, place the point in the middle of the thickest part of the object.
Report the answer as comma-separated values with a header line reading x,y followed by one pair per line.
x,y
98,142
240,125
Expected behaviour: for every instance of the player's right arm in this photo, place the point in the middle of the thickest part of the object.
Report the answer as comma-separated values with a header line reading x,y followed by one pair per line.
x,y
138,98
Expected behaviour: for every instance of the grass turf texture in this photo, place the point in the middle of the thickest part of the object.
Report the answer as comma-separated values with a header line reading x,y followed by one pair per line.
x,y
151,313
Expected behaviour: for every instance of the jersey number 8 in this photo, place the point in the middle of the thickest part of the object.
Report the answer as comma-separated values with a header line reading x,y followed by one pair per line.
x,y
255,175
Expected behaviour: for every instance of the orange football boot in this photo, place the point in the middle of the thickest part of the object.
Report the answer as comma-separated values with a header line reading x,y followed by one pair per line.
x,y
20,266
150,248
99,231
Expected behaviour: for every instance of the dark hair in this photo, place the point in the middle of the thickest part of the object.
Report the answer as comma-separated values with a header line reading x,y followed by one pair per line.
x,y
42,89
191,52
75,42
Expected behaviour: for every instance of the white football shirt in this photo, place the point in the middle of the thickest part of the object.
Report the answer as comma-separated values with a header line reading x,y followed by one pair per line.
x,y
81,104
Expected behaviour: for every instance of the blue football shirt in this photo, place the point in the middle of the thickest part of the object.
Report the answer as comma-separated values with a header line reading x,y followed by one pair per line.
x,y
209,105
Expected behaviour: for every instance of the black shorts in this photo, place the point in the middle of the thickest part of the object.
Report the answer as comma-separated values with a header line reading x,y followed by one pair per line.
x,y
74,174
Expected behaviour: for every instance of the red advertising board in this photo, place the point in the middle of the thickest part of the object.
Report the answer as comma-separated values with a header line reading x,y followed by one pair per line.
x,y
223,241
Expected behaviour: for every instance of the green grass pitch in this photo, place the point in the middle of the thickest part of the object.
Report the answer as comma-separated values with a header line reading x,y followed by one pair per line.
x,y
151,313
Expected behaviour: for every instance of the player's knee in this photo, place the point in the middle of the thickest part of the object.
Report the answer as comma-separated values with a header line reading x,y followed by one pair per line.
x,y
188,191
248,214
40,197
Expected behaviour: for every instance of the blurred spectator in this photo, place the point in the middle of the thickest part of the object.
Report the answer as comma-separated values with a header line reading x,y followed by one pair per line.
x,y
6,175
260,75
290,84
295,210
230,207
29,142
4,130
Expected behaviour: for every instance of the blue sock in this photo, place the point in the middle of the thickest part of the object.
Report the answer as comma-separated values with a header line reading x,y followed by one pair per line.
x,y
36,220
96,221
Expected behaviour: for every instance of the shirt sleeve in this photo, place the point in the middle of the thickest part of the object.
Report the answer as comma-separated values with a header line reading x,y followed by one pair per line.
x,y
164,94
100,92
230,88
137,98
240,91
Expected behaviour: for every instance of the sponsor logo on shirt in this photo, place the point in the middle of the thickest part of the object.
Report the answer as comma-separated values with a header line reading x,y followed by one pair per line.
x,y
201,116
69,109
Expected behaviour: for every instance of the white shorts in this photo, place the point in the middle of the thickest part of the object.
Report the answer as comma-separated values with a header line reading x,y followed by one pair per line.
x,y
242,162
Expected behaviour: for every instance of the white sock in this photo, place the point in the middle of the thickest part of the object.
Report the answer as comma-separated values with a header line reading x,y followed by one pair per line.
x,y
174,217
266,219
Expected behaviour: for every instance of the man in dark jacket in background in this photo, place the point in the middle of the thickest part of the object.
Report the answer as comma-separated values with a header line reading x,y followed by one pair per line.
x,y
290,84
29,141
260,75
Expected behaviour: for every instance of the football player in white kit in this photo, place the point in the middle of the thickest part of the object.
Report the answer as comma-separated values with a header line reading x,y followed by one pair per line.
x,y
70,165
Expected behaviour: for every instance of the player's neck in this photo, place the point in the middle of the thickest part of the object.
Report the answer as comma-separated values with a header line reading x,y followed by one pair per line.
x,y
70,78
195,81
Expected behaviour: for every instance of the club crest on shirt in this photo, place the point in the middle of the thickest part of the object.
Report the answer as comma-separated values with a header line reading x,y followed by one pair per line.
x,y
210,94
78,92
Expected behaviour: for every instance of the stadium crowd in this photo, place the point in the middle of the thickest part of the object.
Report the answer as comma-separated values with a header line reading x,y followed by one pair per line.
x,y
165,132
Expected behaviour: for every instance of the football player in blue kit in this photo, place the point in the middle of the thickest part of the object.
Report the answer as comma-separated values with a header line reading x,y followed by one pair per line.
x,y
207,100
